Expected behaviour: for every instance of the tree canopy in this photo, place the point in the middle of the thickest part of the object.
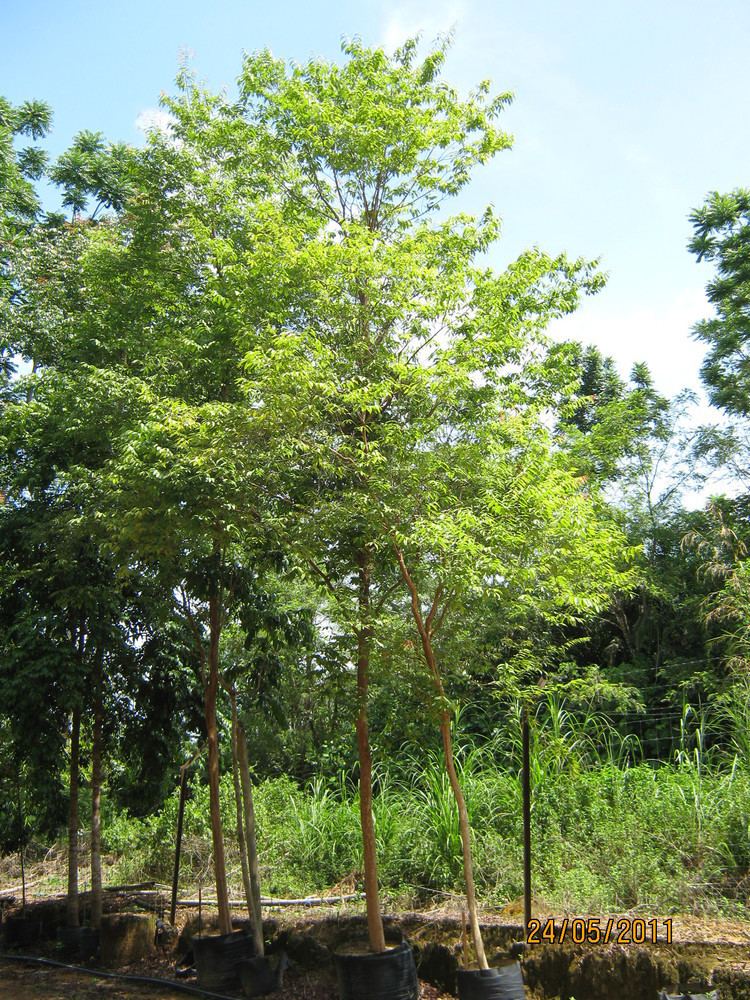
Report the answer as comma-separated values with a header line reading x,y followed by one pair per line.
x,y
281,434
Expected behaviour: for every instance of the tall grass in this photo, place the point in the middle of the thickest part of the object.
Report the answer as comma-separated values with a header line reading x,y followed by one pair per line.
x,y
610,830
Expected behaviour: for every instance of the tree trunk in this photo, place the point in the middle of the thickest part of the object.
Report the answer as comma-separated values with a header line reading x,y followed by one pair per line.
x,y
251,912
71,908
364,643
252,845
463,823
424,630
96,798
212,684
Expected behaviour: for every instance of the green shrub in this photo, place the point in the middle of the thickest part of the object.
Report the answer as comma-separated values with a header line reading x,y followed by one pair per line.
x,y
608,834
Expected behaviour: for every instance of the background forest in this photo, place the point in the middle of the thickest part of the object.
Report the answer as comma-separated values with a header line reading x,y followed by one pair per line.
x,y
274,437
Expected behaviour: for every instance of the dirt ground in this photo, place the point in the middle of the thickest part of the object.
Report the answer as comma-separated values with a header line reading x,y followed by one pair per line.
x,y
695,940
24,982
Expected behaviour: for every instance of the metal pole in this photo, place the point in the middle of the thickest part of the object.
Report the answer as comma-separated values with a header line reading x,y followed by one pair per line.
x,y
21,843
178,844
526,783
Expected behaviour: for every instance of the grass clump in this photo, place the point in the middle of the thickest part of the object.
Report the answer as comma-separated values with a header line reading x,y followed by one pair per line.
x,y
610,830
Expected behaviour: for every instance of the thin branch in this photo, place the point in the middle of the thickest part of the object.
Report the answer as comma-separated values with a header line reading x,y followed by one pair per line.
x,y
325,578
433,608
195,629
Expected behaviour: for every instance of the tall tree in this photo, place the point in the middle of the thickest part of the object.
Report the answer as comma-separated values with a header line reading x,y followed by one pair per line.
x,y
167,307
721,236
19,200
400,335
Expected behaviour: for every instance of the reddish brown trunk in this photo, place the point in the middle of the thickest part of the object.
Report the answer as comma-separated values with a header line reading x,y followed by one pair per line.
x,y
96,799
212,684
423,629
369,851
71,908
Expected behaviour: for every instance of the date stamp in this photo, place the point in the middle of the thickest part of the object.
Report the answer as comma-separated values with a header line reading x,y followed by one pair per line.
x,y
593,930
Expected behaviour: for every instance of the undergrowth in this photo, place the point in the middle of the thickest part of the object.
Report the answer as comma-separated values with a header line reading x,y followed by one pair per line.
x,y
610,831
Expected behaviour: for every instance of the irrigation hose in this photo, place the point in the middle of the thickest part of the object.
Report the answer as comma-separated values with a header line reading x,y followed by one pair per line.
x,y
102,974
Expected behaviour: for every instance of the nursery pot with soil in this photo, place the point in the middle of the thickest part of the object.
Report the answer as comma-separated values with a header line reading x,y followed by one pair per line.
x,y
20,932
126,937
503,983
386,975
78,942
218,958
263,974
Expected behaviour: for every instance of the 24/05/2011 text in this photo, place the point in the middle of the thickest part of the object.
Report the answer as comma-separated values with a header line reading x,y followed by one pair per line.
x,y
592,930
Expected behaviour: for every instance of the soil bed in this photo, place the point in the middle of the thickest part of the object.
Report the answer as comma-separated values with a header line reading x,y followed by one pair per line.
x,y
700,948
27,982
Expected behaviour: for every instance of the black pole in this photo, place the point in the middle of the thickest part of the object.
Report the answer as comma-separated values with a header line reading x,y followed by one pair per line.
x,y
178,844
21,843
526,783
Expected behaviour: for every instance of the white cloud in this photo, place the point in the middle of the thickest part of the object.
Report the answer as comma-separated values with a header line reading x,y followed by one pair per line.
x,y
154,120
418,17
658,334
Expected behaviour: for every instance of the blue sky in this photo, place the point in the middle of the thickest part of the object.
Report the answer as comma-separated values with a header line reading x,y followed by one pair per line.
x,y
626,114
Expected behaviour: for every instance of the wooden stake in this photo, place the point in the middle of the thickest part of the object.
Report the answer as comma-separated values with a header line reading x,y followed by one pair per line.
x,y
178,843
526,781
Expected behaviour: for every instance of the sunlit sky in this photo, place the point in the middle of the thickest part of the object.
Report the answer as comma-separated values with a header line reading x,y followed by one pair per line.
x,y
626,114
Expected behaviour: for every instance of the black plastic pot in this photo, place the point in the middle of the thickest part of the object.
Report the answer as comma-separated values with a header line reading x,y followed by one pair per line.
x,y
20,932
263,974
218,958
79,942
504,983
390,975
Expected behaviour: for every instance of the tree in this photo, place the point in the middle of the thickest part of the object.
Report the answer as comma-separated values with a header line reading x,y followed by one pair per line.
x,y
721,235
56,434
68,621
165,310
19,201
374,145
403,349
646,452
495,509
721,549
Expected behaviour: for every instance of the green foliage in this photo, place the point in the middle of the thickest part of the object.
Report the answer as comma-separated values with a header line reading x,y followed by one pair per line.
x,y
265,363
92,170
721,564
608,833
721,229
19,203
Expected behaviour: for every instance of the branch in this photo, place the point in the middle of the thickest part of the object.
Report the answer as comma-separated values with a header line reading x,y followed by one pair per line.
x,y
195,629
441,617
433,609
325,578
423,633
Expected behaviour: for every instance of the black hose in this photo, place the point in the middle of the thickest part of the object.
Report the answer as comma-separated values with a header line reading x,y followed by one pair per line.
x,y
138,980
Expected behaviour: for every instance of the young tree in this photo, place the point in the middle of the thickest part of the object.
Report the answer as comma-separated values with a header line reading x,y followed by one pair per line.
x,y
169,306
401,340
494,513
